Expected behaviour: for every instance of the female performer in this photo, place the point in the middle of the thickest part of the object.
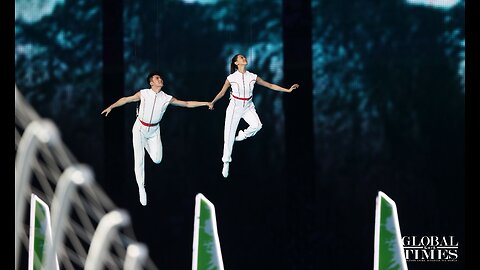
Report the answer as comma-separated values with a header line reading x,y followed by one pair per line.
x,y
241,105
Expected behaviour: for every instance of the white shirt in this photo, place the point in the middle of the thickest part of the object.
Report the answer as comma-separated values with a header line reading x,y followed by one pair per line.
x,y
242,83
152,105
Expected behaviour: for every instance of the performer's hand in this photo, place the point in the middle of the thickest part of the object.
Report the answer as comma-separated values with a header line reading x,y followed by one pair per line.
x,y
106,111
210,106
293,87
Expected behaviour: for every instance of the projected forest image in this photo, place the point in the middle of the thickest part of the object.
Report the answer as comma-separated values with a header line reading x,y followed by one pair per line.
x,y
385,111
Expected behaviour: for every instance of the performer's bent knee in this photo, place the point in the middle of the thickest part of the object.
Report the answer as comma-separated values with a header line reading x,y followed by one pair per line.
x,y
258,127
157,160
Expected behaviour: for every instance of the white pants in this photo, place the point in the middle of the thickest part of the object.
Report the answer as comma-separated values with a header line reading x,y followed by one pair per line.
x,y
145,138
236,110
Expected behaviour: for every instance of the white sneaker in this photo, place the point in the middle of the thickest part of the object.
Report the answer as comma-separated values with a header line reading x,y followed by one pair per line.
x,y
225,169
143,195
241,136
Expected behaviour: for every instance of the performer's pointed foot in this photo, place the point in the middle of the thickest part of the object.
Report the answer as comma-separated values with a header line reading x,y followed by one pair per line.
x,y
143,195
241,136
225,169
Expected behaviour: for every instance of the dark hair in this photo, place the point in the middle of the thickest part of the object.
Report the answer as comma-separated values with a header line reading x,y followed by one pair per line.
x,y
233,67
150,75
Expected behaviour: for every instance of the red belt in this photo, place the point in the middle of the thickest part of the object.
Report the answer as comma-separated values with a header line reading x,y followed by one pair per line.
x,y
147,124
240,98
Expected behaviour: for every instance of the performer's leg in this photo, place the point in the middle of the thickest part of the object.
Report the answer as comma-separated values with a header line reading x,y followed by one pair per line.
x,y
232,117
139,155
251,117
154,147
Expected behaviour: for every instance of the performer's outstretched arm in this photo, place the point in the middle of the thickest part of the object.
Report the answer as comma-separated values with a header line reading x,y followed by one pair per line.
x,y
122,101
276,87
221,93
190,104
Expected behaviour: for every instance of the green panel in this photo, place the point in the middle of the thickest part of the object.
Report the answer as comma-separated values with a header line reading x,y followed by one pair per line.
x,y
389,251
207,253
40,235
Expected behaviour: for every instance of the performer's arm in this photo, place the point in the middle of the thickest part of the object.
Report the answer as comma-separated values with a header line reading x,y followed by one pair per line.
x,y
220,94
190,104
276,87
122,101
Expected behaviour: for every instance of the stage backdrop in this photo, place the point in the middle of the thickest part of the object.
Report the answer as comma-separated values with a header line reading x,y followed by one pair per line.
x,y
388,101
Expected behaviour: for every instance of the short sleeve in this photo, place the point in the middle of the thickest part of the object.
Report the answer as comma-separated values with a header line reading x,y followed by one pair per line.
x,y
230,78
254,76
167,97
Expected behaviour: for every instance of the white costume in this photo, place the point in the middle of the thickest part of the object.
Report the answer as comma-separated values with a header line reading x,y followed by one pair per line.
x,y
240,106
146,133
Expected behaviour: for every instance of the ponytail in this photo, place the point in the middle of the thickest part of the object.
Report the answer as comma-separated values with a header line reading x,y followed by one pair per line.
x,y
233,67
